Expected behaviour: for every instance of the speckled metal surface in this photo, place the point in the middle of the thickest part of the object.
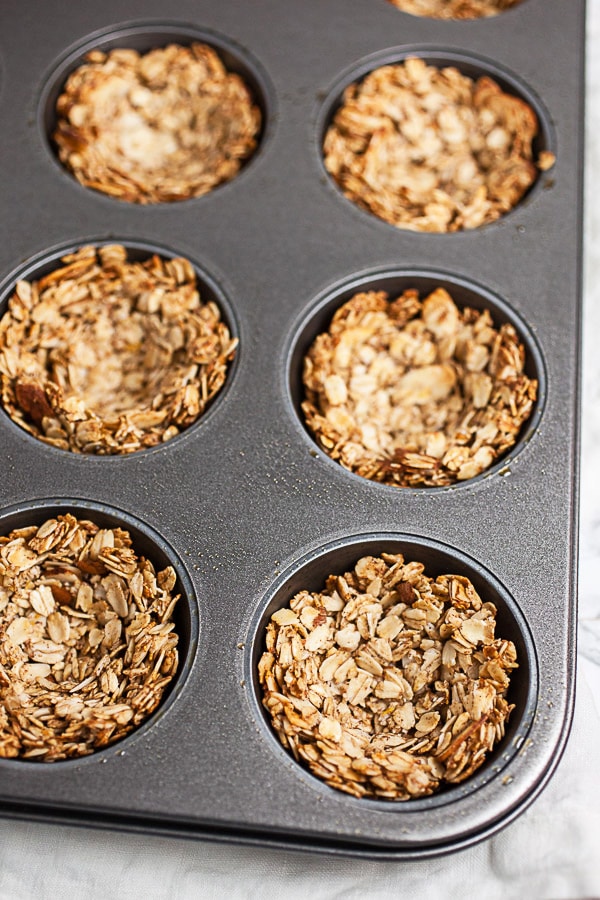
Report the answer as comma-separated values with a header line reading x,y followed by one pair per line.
x,y
244,501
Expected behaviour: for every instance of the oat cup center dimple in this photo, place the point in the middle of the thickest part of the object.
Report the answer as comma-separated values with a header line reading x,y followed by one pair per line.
x,y
119,363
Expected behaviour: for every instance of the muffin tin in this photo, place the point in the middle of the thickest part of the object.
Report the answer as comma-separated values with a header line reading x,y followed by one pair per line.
x,y
243,503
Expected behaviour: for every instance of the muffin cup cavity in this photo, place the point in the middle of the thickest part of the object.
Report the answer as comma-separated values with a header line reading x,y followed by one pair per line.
x,y
316,729
141,149
366,308
112,348
99,629
434,141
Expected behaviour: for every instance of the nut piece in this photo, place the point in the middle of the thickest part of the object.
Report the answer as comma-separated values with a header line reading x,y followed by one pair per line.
x,y
425,394
87,639
164,126
107,356
454,9
416,701
430,149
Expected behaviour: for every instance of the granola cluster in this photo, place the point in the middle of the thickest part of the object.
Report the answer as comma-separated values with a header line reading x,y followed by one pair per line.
x,y
87,639
429,149
108,356
163,126
454,9
388,683
414,392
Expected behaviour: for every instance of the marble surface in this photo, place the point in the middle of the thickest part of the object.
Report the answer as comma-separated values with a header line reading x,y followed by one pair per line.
x,y
552,851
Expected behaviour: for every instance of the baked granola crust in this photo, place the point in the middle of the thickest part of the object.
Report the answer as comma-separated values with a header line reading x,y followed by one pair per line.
x,y
388,683
416,392
107,355
157,127
87,639
429,149
454,9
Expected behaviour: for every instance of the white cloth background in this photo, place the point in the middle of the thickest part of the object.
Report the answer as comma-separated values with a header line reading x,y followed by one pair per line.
x,y
552,851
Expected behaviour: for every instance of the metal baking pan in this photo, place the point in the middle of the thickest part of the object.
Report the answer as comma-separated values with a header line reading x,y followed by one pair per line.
x,y
244,504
